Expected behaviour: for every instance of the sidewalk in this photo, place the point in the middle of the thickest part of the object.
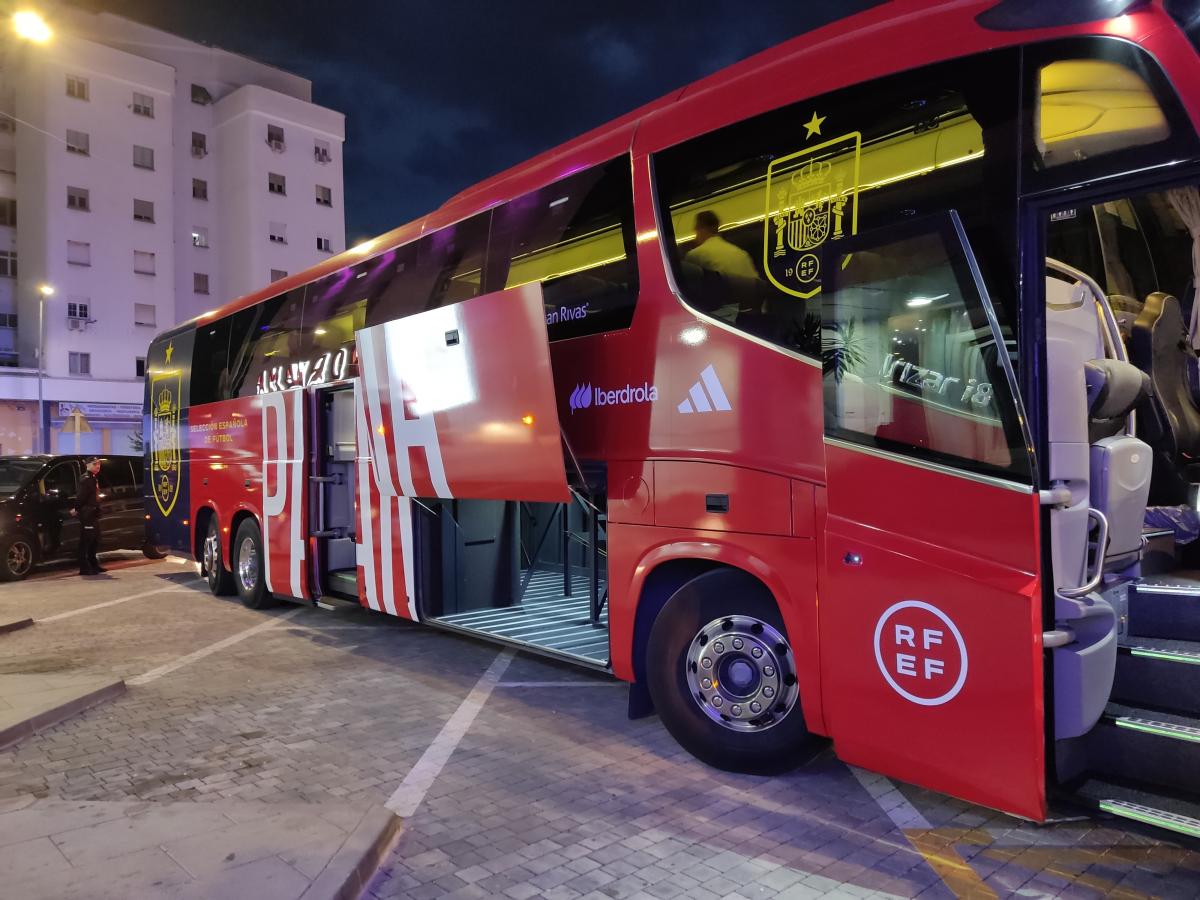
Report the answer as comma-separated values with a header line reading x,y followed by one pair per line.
x,y
55,849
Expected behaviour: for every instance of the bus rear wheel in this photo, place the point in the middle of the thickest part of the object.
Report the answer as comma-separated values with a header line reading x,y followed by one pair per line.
x,y
212,570
722,675
248,566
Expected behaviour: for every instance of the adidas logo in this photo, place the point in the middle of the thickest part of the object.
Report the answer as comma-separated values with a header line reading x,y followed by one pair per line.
x,y
706,395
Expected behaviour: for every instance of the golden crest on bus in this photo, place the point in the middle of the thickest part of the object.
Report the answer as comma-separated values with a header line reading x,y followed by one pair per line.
x,y
164,439
812,197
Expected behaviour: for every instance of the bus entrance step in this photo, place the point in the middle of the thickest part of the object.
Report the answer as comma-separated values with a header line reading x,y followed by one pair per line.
x,y
1147,746
1159,673
1165,606
330,602
1159,809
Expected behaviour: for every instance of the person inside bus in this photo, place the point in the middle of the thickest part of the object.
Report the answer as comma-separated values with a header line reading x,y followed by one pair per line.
x,y
734,290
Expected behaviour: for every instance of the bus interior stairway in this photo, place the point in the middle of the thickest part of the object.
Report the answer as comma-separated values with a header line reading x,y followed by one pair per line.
x,y
1142,760
531,575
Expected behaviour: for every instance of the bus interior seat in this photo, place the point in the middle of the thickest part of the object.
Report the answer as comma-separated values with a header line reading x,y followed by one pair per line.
x,y
1170,417
1120,464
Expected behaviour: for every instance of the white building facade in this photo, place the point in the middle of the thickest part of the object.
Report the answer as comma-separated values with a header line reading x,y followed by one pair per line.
x,y
146,179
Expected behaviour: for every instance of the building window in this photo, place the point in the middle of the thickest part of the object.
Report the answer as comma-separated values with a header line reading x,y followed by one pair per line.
x,y
199,144
276,274
201,95
325,244
144,314
143,262
77,87
199,236
139,367
8,320
143,157
79,253
143,210
275,138
8,263
199,189
143,105
321,151
78,142
278,232
276,184
200,282
81,363
77,309
77,198
324,196
8,211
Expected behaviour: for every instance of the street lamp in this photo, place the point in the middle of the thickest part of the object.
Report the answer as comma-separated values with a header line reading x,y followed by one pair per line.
x,y
30,26
44,291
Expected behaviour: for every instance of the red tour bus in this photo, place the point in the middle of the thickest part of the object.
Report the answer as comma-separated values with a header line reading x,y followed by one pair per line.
x,y
828,396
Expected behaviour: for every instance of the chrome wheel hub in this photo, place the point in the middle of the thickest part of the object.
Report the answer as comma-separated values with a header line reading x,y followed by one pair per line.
x,y
741,674
247,565
212,554
20,557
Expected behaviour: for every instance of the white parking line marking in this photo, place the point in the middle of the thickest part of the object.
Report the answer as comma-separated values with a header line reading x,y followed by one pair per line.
x,y
902,813
562,684
416,784
78,612
168,668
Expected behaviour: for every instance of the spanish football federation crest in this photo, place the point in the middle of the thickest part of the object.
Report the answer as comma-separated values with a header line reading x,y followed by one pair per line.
x,y
812,198
164,447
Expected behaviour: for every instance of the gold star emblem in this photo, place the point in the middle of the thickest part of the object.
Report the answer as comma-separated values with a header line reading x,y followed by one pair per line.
x,y
170,350
813,126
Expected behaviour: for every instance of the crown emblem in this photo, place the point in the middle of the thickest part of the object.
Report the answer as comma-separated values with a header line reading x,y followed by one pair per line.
x,y
164,402
812,173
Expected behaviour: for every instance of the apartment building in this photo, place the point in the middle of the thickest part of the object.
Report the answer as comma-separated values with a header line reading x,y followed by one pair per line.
x,y
144,179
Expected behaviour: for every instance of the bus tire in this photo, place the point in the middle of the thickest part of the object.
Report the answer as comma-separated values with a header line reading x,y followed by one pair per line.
x,y
722,675
152,551
17,557
248,566
212,570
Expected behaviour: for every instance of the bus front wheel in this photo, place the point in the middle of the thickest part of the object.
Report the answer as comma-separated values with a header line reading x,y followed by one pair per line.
x,y
248,566
722,675
212,570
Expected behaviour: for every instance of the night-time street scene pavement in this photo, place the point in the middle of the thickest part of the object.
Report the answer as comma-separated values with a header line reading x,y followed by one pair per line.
x,y
646,451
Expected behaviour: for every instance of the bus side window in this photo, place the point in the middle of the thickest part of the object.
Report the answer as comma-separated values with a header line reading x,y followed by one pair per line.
x,y
450,262
265,339
211,377
576,237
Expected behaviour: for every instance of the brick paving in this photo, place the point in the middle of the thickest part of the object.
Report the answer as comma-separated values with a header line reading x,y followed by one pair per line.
x,y
553,792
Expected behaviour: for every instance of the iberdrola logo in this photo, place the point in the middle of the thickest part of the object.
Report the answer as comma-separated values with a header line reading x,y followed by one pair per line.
x,y
581,397
585,395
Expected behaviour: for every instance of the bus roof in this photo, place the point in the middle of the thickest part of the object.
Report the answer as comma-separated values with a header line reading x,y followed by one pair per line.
x,y
862,36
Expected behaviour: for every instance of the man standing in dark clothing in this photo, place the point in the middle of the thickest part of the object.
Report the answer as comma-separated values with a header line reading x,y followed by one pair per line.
x,y
87,507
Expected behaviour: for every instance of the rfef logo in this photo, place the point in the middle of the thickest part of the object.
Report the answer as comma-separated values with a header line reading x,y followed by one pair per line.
x,y
581,397
921,653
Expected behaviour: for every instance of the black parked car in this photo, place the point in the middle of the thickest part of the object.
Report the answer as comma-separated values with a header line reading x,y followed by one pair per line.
x,y
37,494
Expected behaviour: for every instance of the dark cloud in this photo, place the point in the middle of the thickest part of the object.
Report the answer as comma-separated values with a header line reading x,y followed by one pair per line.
x,y
439,95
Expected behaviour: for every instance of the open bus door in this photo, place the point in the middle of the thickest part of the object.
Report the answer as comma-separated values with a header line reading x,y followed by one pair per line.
x,y
456,403
931,609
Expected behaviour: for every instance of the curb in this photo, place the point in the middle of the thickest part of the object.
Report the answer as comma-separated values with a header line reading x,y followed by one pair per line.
x,y
15,625
353,866
18,732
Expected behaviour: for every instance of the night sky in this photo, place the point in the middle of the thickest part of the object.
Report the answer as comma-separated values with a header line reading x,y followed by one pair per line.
x,y
439,95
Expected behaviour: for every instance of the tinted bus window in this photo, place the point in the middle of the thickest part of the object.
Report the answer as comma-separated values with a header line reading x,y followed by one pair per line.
x,y
911,363
211,377
335,308
449,263
576,237
747,211
265,340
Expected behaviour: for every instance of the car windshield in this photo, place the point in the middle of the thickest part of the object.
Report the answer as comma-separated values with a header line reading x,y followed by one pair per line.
x,y
16,473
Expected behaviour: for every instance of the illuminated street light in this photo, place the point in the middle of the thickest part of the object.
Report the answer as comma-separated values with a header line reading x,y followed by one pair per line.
x,y
31,26
45,290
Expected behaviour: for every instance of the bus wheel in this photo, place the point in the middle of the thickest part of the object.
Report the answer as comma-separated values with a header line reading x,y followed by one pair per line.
x,y
16,557
248,566
152,551
722,675
220,581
